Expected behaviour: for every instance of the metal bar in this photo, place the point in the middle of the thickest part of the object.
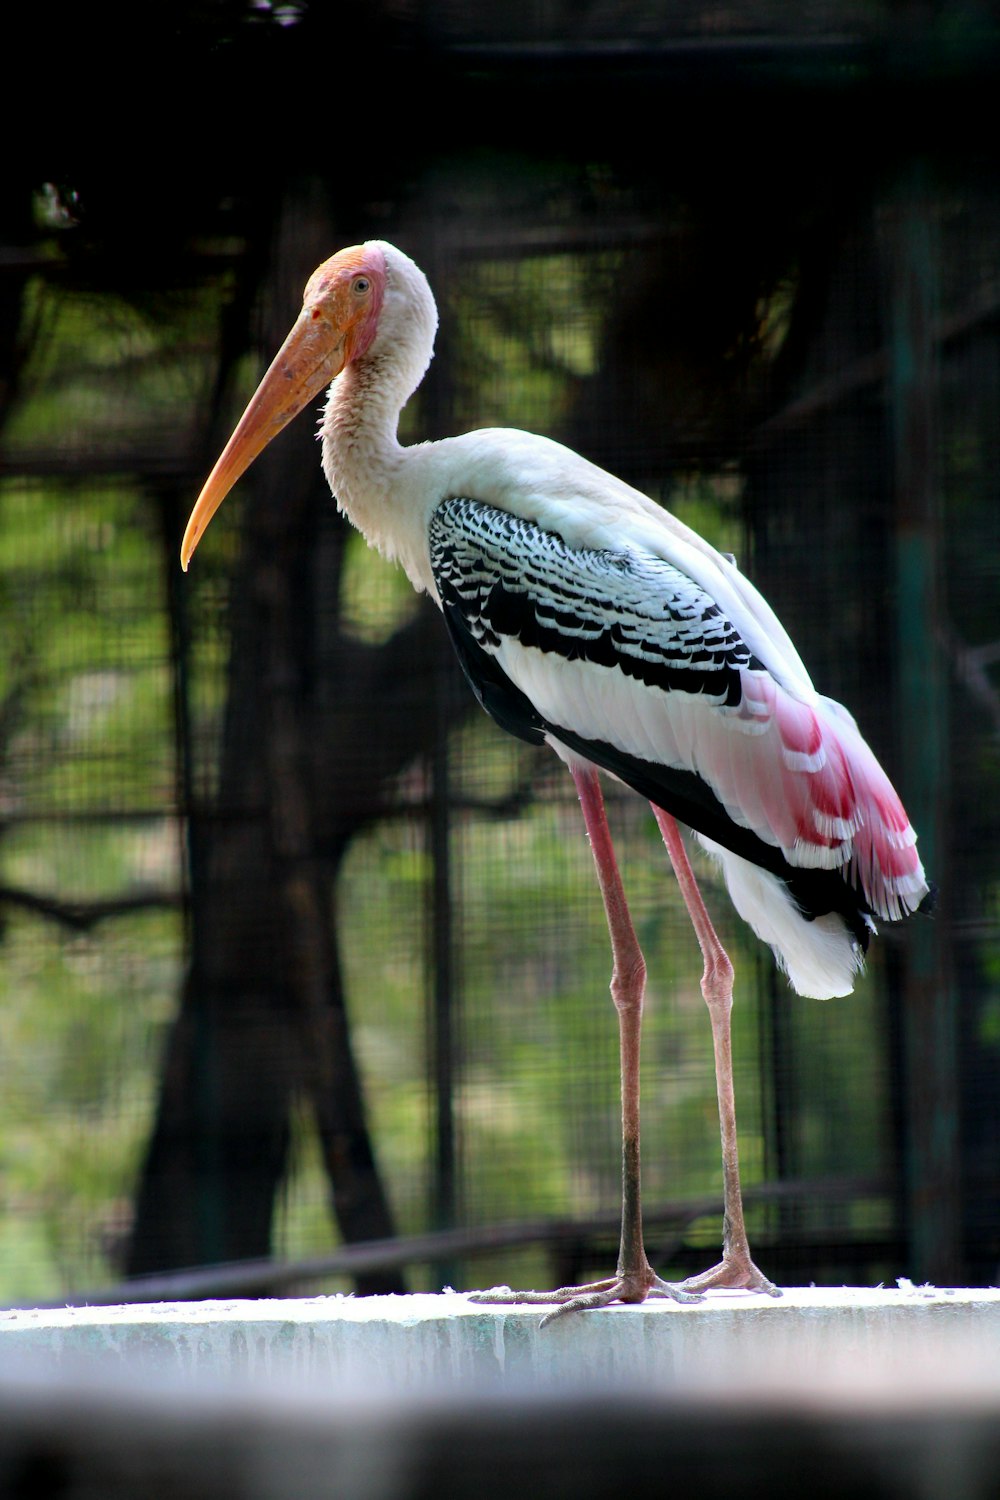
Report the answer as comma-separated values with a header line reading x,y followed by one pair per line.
x,y
929,1013
442,1246
444,1185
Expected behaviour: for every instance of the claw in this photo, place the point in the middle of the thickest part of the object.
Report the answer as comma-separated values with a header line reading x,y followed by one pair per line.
x,y
570,1299
732,1273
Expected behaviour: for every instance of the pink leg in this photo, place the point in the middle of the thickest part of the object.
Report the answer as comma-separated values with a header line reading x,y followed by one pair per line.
x,y
736,1269
635,1279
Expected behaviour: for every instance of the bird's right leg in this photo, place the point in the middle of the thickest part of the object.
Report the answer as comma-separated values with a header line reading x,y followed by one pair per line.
x,y
634,1279
736,1269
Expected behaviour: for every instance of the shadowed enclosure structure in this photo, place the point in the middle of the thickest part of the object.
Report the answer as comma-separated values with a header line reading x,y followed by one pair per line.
x,y
296,947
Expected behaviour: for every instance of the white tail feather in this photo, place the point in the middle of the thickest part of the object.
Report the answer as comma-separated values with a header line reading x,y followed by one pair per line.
x,y
821,957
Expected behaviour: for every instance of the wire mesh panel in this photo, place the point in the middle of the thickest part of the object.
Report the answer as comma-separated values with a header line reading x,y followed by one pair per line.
x,y
92,846
91,855
385,1005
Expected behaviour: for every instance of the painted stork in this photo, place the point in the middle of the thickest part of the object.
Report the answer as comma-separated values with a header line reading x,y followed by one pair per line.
x,y
587,617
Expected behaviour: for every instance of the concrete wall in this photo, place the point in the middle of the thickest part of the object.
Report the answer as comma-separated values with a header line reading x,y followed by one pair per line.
x,y
849,1392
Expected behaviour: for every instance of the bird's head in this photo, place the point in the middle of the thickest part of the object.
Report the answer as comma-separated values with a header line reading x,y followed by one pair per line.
x,y
343,298
338,321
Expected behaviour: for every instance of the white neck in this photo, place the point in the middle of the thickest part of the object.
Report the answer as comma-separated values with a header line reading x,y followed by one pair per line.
x,y
360,447
362,457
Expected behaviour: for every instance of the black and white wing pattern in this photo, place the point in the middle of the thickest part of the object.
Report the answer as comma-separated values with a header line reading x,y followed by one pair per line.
x,y
508,578
611,654
619,658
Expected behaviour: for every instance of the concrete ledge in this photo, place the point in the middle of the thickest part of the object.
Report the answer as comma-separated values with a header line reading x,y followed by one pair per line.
x,y
892,1395
909,1334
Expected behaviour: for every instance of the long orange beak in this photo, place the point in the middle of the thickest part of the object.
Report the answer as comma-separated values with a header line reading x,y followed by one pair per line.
x,y
312,354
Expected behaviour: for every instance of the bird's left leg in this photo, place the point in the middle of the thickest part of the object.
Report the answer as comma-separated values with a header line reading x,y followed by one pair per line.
x,y
736,1269
634,1279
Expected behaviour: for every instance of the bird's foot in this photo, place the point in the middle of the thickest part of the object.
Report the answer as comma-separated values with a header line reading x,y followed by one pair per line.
x,y
625,1287
734,1271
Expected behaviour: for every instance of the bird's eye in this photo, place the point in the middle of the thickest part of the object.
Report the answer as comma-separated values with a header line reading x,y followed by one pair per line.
x,y
361,285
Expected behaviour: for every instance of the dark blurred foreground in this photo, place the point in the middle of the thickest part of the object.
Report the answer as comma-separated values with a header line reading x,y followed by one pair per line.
x,y
59,1445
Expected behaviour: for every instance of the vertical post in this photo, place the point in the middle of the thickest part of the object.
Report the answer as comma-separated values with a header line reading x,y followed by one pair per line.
x,y
779,1070
928,1009
208,1211
437,399
444,1187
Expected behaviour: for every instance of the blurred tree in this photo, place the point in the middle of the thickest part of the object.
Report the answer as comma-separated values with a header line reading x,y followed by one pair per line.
x,y
262,1018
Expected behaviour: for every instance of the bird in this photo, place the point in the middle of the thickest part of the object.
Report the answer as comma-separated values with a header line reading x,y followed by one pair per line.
x,y
589,619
